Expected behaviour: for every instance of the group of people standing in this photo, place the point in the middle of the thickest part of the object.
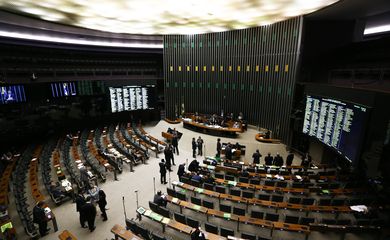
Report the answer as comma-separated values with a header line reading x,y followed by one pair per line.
x,y
277,160
86,206
198,144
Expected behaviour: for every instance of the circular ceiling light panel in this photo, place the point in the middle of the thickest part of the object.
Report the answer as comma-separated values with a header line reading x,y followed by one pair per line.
x,y
164,16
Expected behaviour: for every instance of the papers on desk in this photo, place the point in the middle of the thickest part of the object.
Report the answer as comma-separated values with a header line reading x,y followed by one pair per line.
x,y
90,174
175,200
233,183
47,211
279,177
199,190
227,215
359,208
175,182
298,177
66,185
146,213
141,210
165,220
156,217
196,207
268,175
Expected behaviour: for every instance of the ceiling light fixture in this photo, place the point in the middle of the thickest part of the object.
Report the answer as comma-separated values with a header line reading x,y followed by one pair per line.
x,y
46,38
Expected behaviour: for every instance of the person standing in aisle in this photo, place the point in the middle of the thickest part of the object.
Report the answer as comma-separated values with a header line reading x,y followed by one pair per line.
x,y
89,212
194,145
219,147
175,143
102,204
200,146
163,172
290,158
80,201
167,156
171,156
256,157
39,217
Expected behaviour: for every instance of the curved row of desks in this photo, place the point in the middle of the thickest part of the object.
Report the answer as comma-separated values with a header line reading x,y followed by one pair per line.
x,y
258,202
240,219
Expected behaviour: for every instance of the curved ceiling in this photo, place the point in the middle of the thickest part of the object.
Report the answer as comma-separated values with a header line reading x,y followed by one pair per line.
x,y
164,16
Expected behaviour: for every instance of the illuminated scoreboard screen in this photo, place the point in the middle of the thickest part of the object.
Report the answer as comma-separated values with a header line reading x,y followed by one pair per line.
x,y
130,98
338,124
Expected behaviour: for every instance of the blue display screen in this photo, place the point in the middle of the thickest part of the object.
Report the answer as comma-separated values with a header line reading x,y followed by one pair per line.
x,y
12,94
63,89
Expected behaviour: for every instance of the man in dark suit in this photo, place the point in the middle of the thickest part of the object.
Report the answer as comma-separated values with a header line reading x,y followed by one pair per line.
x,y
219,147
194,146
171,156
289,159
278,160
181,171
200,146
194,166
163,172
175,143
80,201
256,157
167,156
228,151
39,217
268,159
88,210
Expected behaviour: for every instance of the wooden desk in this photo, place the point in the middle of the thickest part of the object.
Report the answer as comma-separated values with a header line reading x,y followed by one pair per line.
x,y
209,129
260,137
262,187
121,233
177,225
258,202
66,235
167,136
241,219
176,121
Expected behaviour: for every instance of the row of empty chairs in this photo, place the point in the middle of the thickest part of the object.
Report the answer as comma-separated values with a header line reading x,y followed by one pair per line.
x,y
19,177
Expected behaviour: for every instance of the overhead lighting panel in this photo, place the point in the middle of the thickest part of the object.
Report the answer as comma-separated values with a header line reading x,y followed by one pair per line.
x,y
164,17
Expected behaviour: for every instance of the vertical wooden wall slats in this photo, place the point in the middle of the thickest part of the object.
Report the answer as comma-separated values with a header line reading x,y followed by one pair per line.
x,y
265,98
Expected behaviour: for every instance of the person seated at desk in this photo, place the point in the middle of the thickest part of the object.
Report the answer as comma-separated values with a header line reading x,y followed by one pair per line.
x,y
208,178
160,200
196,177
267,135
57,191
236,125
228,151
244,173
197,234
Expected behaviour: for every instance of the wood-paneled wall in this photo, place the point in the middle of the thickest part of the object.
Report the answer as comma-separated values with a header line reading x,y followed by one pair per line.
x,y
252,71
